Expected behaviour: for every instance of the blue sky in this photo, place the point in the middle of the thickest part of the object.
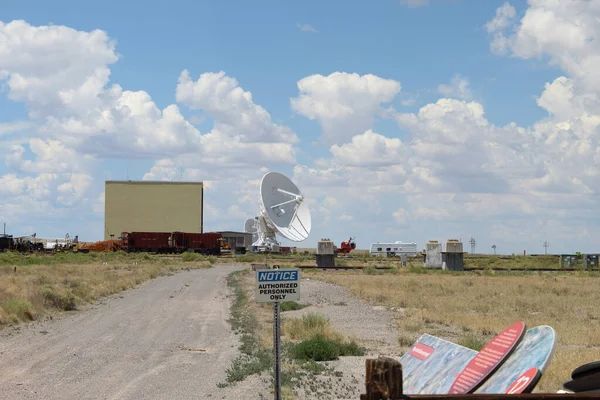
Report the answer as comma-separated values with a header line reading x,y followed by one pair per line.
x,y
268,47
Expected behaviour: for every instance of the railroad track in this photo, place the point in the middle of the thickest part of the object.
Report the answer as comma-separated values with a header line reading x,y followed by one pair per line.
x,y
361,267
471,269
531,269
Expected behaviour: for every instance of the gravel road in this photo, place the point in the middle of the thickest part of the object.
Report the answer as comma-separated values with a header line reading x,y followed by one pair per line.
x,y
168,339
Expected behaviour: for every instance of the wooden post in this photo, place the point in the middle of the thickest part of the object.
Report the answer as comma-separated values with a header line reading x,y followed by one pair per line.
x,y
383,379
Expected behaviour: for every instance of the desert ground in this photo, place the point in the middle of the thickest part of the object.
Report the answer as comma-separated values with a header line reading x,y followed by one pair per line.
x,y
138,326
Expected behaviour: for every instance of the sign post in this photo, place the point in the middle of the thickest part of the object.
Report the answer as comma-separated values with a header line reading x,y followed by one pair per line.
x,y
273,286
277,350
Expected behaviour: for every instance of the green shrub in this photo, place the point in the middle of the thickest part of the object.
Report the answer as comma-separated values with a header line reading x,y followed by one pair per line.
x,y
21,308
319,348
189,257
63,300
244,366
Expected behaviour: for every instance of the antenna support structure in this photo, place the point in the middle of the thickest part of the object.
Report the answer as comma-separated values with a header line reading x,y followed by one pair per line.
x,y
282,210
473,244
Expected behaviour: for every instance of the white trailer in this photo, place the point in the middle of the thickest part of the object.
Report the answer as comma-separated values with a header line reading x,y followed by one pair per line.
x,y
394,249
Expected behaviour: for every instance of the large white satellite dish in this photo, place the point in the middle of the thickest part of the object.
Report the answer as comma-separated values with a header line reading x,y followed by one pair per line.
x,y
282,210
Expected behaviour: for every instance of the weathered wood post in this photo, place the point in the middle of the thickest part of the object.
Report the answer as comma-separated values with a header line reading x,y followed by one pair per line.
x,y
383,379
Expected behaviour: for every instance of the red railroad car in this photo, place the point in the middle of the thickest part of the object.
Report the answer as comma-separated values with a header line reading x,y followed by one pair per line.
x,y
154,242
174,242
208,242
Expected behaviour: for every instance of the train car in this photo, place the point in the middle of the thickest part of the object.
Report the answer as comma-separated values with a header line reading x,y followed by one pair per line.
x,y
209,243
174,242
206,243
151,242
179,242
6,242
26,244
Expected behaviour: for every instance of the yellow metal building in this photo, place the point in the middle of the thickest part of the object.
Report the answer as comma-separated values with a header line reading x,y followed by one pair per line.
x,y
152,206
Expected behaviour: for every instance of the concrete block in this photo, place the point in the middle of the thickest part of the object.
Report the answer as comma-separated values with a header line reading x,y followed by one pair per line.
x,y
454,261
454,246
326,247
325,260
433,254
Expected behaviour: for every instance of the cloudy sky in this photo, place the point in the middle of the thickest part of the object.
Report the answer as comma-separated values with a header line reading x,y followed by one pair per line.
x,y
401,120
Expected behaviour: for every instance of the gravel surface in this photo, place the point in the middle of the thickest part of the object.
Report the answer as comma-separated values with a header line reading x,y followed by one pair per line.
x,y
168,339
372,326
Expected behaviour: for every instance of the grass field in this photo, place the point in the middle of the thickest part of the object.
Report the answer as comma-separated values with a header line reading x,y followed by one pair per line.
x,y
471,308
33,286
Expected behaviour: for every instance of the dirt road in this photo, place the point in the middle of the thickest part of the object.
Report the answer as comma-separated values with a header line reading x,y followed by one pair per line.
x,y
168,339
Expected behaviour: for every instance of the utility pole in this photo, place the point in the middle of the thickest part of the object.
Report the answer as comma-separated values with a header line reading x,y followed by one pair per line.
x,y
546,247
494,247
473,242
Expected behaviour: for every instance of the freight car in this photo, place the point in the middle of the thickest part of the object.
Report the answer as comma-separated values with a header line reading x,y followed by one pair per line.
x,y
174,242
6,242
27,244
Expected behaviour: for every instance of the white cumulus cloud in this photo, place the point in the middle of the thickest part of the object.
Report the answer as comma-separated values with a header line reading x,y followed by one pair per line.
x,y
343,104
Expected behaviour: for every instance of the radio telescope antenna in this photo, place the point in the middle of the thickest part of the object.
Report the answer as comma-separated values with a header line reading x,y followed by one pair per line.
x,y
250,227
283,211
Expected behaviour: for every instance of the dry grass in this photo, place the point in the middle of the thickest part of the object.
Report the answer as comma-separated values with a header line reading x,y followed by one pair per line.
x,y
470,307
308,326
43,284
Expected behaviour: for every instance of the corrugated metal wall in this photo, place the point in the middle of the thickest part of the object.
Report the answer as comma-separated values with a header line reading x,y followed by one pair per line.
x,y
152,207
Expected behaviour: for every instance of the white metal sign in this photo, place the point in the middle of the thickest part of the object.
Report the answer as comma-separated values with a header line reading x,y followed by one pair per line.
x,y
276,285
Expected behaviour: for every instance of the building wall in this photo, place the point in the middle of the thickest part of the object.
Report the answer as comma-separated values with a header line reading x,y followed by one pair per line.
x,y
237,239
152,207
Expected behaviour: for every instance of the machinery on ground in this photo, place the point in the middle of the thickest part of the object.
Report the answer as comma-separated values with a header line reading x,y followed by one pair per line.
x,y
346,247
102,246
282,210
31,243
224,246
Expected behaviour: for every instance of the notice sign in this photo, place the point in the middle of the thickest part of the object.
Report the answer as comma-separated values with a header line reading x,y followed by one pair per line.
x,y
275,285
488,359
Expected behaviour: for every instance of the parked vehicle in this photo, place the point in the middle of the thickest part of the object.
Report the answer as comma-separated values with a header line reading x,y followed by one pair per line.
x,y
394,249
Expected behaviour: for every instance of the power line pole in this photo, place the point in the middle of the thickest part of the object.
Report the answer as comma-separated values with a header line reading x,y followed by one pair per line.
x,y
546,247
494,247
473,242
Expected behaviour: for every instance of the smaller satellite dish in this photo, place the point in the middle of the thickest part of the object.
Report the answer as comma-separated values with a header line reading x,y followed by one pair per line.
x,y
250,227
282,210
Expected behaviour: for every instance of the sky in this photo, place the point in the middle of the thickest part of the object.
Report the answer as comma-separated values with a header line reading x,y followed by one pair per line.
x,y
399,120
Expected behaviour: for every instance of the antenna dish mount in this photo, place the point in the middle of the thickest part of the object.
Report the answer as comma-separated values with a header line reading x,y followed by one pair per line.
x,y
283,211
